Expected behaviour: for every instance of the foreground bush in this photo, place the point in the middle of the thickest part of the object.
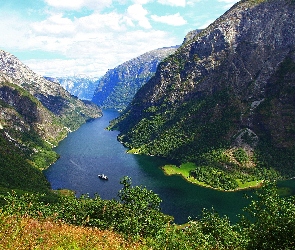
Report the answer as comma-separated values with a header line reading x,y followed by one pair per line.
x,y
268,222
136,214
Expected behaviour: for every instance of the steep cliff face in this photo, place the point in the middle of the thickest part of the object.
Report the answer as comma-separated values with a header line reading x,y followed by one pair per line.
x,y
35,114
119,85
230,85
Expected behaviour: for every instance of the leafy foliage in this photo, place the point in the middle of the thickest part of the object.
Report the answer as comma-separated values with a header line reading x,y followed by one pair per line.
x,y
215,178
179,133
143,208
241,156
268,222
274,221
136,214
18,173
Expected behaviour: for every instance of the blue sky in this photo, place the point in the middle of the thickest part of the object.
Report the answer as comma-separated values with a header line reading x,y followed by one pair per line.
x,y
88,37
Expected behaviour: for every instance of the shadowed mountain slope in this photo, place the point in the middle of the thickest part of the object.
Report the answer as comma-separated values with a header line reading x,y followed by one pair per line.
x,y
119,85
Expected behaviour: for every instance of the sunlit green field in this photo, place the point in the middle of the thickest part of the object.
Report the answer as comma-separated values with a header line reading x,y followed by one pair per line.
x,y
184,171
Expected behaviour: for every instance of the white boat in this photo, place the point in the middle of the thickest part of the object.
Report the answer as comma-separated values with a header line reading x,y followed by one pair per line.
x,y
102,176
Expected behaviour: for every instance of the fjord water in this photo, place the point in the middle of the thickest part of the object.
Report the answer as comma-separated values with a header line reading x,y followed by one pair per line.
x,y
92,150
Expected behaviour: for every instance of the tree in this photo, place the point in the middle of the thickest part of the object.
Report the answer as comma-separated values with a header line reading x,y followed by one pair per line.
x,y
141,215
138,198
274,221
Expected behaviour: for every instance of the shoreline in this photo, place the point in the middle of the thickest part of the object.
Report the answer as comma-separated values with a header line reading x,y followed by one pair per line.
x,y
195,182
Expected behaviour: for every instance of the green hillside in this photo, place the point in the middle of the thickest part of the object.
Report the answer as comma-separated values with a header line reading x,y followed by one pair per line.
x,y
222,105
224,100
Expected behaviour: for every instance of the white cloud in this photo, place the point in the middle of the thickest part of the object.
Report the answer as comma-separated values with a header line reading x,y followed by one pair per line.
x,y
91,44
65,4
174,20
180,3
58,67
62,34
55,25
14,30
138,13
78,4
141,1
192,2
84,45
94,57
95,22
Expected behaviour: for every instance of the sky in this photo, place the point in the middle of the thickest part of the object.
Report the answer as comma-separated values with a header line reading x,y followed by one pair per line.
x,y
60,38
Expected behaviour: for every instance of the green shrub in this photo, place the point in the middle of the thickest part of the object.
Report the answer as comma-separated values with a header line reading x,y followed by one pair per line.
x,y
241,155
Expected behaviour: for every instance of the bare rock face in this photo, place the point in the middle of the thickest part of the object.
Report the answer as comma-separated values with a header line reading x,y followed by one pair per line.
x,y
26,78
49,93
236,75
118,86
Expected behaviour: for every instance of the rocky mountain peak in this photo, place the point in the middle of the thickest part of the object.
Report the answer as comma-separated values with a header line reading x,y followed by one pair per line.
x,y
81,86
230,84
51,94
25,77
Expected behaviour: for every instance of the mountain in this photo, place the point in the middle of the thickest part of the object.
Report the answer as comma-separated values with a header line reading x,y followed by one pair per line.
x,y
119,85
81,86
68,108
225,98
35,115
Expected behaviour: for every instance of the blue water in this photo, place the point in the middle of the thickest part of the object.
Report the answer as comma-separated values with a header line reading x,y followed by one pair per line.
x,y
92,150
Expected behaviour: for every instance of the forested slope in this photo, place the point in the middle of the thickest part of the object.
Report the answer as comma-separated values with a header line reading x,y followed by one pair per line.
x,y
228,89
35,115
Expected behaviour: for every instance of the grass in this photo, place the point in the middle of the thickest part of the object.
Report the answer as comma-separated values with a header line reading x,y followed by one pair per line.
x,y
185,168
27,233
134,151
249,184
182,170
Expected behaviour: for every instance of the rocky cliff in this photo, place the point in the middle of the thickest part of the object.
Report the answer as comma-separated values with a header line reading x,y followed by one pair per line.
x,y
119,85
229,86
69,108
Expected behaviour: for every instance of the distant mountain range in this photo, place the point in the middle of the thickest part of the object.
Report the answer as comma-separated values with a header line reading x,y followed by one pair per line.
x,y
81,86
119,85
228,90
